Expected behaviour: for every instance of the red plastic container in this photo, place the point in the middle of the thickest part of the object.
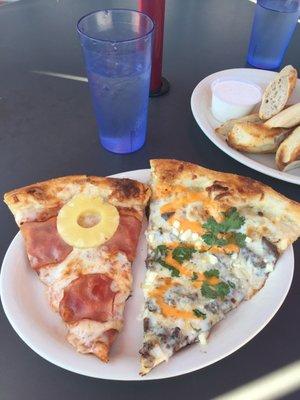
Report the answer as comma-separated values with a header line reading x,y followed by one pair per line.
x,y
155,9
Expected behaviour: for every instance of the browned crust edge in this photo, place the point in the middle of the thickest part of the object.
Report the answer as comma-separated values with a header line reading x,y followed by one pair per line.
x,y
171,172
122,192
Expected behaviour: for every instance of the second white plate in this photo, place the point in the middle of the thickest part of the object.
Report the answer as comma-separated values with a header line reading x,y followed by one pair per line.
x,y
201,108
25,304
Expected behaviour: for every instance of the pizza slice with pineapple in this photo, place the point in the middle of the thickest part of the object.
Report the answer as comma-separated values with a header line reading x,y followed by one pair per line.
x,y
213,238
81,235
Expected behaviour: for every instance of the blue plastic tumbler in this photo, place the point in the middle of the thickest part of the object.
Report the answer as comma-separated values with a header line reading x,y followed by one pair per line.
x,y
273,26
117,47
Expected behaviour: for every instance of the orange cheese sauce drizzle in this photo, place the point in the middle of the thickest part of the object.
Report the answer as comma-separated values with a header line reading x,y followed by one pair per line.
x,y
185,197
167,310
158,293
185,224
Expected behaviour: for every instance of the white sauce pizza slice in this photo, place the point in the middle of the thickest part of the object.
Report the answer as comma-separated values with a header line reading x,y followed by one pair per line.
x,y
213,238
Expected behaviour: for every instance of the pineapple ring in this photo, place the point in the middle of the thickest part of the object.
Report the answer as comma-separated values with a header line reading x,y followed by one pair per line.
x,y
81,208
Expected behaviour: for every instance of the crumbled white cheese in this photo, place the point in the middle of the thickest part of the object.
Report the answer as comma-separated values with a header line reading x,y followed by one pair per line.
x,y
176,224
248,239
151,237
186,235
212,259
234,256
175,232
195,236
269,267
151,276
203,338
199,242
158,354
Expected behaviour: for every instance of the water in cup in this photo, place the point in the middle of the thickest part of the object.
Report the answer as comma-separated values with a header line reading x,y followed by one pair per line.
x,y
121,106
117,46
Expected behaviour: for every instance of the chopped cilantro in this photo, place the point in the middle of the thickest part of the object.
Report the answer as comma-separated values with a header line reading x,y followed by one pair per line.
x,y
212,272
194,276
220,290
209,238
199,314
160,251
212,240
232,220
239,239
182,253
231,284
208,291
174,271
212,225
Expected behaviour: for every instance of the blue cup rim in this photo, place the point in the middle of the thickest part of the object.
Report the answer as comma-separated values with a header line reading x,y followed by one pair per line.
x,y
115,41
275,10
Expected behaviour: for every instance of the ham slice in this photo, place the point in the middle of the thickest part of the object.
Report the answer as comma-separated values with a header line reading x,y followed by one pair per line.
x,y
88,297
43,244
126,236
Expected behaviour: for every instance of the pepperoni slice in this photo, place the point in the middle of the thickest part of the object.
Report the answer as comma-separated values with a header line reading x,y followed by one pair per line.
x,y
126,236
43,243
88,297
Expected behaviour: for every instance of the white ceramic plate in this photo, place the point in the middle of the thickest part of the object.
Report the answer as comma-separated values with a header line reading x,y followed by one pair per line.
x,y
26,307
201,108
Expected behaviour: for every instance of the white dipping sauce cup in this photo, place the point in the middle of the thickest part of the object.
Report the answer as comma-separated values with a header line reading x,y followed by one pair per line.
x,y
233,98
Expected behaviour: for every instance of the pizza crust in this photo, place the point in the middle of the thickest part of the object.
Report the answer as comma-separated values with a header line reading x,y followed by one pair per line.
x,y
233,191
40,201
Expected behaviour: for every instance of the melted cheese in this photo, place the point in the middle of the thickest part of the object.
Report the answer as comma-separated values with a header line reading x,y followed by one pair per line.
x,y
185,224
181,202
159,292
189,272
166,190
184,198
72,189
83,261
228,249
29,212
86,331
166,309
